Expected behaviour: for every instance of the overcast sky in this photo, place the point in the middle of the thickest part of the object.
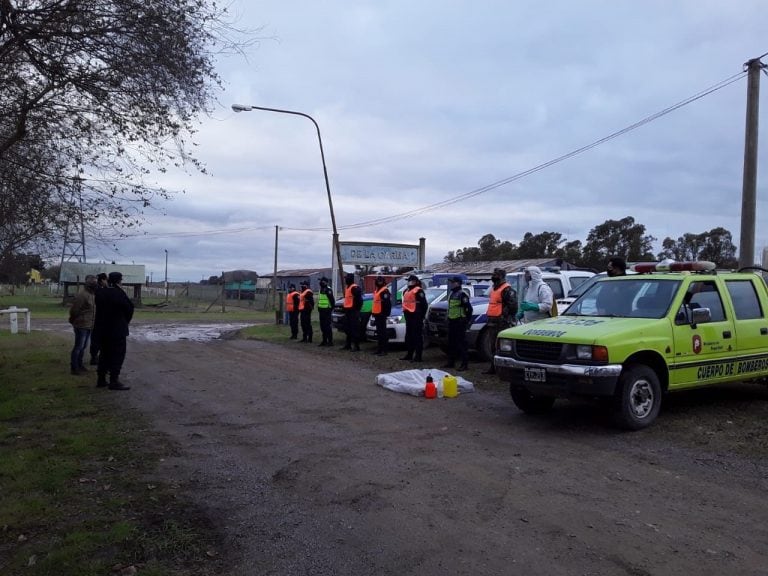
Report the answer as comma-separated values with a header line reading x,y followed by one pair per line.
x,y
419,102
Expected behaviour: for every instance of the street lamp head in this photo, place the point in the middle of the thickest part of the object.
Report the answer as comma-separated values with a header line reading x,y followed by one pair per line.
x,y
241,108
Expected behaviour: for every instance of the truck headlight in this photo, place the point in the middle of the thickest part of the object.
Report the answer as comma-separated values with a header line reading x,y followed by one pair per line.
x,y
394,319
505,345
588,352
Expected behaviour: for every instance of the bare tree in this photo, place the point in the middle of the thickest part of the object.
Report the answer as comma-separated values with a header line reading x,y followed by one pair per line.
x,y
95,94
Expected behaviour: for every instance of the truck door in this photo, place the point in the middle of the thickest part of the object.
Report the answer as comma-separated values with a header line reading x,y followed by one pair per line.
x,y
751,326
702,352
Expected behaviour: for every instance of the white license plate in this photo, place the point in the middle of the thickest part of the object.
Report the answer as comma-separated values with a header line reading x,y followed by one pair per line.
x,y
535,375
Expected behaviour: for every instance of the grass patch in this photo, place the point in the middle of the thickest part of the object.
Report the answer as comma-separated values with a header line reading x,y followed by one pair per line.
x,y
50,307
78,477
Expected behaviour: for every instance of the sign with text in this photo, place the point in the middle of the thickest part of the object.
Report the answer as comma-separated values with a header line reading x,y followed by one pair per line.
x,y
379,254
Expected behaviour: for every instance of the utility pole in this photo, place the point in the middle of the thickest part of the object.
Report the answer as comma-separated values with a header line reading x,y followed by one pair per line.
x,y
166,276
274,282
749,187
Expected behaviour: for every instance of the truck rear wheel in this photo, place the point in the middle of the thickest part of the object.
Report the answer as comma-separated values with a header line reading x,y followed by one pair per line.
x,y
529,403
638,398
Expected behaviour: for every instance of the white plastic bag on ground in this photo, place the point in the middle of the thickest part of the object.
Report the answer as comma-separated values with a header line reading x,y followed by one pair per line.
x,y
412,381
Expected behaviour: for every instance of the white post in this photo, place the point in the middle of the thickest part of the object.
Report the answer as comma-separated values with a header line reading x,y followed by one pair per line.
x,y
14,320
29,321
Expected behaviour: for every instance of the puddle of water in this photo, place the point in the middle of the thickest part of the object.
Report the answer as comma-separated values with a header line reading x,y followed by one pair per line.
x,y
174,332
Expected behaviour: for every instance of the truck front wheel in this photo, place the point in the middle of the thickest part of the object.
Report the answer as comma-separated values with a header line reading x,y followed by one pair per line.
x,y
529,403
638,397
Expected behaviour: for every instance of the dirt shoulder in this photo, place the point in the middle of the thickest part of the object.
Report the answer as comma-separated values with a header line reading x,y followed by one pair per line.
x,y
305,466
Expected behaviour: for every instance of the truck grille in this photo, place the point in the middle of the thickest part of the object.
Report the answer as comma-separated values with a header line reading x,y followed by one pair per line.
x,y
538,351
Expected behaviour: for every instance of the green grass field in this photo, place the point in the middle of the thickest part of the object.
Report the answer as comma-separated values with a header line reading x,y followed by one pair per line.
x,y
78,480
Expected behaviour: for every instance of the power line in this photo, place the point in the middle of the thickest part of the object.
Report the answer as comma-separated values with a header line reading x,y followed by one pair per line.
x,y
538,168
483,189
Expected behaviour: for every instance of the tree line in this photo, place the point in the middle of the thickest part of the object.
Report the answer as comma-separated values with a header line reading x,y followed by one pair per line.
x,y
624,238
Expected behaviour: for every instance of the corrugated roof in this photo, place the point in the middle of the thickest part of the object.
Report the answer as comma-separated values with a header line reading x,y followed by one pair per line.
x,y
487,266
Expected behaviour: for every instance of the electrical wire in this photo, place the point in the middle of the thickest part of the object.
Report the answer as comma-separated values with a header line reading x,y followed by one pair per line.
x,y
487,188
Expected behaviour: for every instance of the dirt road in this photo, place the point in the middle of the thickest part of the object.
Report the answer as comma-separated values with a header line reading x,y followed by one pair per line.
x,y
308,467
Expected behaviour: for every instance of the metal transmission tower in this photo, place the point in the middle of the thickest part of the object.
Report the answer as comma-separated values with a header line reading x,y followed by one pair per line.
x,y
74,233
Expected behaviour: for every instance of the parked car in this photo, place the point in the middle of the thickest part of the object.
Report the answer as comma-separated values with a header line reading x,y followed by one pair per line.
x,y
396,288
480,339
396,319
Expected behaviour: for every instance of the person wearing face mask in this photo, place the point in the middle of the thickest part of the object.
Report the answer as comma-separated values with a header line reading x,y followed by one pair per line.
x,y
325,303
538,299
502,308
353,302
382,307
459,315
414,310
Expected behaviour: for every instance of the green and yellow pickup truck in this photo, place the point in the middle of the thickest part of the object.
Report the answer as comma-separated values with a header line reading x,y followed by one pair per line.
x,y
631,339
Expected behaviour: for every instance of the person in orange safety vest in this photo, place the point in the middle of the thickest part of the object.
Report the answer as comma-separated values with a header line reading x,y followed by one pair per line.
x,y
502,308
292,307
306,305
382,307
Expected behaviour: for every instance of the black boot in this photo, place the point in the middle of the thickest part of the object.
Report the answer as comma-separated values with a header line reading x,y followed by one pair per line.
x,y
115,384
101,382
407,357
462,367
491,370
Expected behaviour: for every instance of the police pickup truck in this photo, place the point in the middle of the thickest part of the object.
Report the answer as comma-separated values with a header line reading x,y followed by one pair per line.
x,y
631,339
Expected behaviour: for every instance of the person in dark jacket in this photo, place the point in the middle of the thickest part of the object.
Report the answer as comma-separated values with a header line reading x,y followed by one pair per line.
x,y
101,282
382,307
459,314
325,303
306,305
353,302
114,311
414,310
81,316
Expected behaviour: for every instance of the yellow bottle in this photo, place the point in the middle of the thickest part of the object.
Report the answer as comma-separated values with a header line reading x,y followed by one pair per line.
x,y
450,387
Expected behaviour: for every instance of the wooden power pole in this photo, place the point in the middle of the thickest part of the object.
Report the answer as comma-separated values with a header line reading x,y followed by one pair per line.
x,y
749,188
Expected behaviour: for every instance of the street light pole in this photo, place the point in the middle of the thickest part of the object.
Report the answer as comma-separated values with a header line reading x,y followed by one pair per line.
x,y
245,108
166,276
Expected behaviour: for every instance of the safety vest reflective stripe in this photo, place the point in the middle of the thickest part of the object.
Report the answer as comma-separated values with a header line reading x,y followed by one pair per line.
x,y
376,308
455,309
409,299
349,299
289,301
303,298
495,305
323,301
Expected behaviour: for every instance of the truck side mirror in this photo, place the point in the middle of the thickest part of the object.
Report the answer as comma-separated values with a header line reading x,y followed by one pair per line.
x,y
700,316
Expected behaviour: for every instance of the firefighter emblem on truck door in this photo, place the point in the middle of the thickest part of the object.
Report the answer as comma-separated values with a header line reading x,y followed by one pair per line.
x,y
696,343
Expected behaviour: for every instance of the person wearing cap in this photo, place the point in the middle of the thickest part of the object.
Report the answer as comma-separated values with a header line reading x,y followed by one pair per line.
x,y
353,302
414,310
538,300
306,305
101,282
382,307
459,314
292,307
81,315
502,307
325,303
114,311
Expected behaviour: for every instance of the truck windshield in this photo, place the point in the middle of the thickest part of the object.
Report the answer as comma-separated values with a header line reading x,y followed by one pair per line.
x,y
626,298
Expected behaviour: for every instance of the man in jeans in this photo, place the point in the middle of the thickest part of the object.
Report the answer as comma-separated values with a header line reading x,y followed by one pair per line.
x,y
81,316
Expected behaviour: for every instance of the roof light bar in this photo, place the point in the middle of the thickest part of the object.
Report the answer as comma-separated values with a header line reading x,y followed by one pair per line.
x,y
672,266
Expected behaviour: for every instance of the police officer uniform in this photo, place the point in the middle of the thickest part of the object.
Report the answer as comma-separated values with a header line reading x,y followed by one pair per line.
x,y
459,313
325,304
